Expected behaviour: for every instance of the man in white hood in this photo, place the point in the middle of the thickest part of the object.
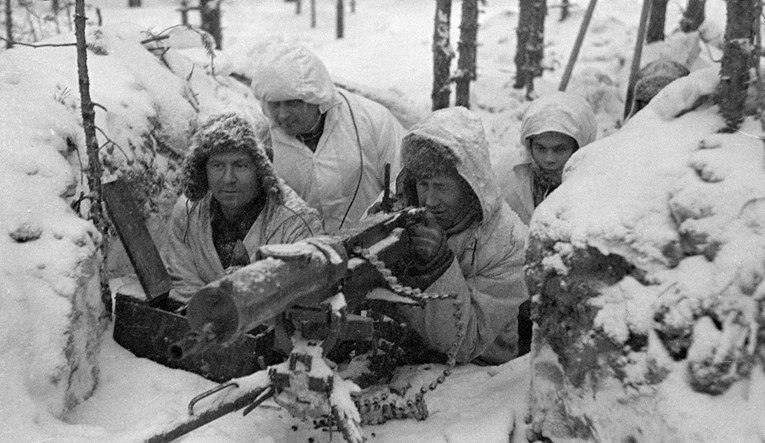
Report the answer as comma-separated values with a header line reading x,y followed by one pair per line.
x,y
330,146
553,128
471,244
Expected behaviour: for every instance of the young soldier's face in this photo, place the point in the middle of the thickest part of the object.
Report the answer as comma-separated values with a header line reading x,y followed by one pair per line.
x,y
446,196
294,117
233,180
551,150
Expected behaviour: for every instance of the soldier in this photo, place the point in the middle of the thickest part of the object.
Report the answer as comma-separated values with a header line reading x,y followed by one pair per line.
x,y
330,146
470,245
553,128
652,78
233,203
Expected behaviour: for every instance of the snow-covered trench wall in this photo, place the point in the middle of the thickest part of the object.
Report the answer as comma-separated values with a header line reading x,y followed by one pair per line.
x,y
647,271
149,102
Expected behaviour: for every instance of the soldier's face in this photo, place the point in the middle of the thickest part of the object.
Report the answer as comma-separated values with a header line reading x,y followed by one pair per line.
x,y
233,180
294,117
551,150
446,196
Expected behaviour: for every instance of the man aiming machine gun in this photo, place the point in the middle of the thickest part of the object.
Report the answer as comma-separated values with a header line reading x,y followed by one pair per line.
x,y
311,289
468,243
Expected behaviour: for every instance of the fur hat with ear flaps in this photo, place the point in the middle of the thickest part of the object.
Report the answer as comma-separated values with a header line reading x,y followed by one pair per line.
x,y
428,157
226,133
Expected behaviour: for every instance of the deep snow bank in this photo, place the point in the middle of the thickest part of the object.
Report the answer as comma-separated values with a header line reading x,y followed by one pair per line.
x,y
647,270
51,303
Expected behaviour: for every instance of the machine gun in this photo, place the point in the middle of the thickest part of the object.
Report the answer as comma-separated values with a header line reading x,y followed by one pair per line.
x,y
305,287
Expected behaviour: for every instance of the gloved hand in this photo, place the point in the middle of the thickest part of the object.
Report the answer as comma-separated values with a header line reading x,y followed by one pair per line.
x,y
428,240
432,254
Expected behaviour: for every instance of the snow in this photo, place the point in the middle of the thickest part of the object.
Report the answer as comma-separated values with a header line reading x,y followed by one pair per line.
x,y
47,270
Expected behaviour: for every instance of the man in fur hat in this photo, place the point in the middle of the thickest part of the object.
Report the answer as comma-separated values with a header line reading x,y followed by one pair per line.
x,y
553,128
471,244
233,203
330,146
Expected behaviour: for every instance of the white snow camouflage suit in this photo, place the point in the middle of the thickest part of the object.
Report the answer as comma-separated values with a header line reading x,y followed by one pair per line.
x,y
328,177
561,112
487,271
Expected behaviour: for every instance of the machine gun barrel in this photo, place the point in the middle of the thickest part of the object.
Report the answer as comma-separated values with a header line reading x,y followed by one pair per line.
x,y
304,272
193,342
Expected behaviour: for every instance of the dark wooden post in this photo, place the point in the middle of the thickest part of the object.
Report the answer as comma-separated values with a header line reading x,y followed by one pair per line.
x,y
657,21
442,55
184,12
340,18
313,13
466,64
8,24
211,13
693,16
577,45
636,56
564,9
134,3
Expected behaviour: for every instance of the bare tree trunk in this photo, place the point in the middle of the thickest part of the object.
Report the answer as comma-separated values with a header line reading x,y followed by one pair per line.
x,y
313,13
94,171
739,57
693,16
210,20
8,24
656,21
353,6
530,49
55,6
298,7
184,12
442,55
564,12
467,49
340,18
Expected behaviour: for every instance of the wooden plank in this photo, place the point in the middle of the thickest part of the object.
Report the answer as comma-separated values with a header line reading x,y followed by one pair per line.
x,y
141,250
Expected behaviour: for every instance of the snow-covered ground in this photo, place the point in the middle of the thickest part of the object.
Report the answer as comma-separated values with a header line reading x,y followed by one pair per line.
x,y
386,51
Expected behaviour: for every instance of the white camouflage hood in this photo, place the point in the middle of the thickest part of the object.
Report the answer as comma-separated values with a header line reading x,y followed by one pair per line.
x,y
562,112
461,131
291,72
